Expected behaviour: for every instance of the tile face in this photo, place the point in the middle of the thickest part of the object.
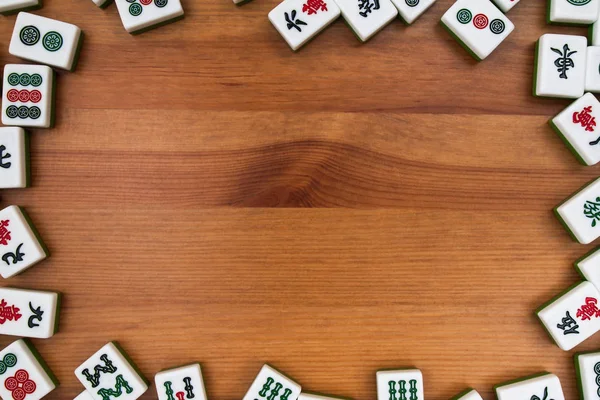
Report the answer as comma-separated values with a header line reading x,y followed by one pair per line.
x,y
589,267
14,158
367,17
402,383
28,313
141,15
316,396
546,386
410,10
470,394
84,396
592,69
587,368
28,96
108,374
298,21
13,6
20,248
572,317
25,376
180,383
505,5
580,213
46,41
478,25
582,12
576,125
271,384
560,63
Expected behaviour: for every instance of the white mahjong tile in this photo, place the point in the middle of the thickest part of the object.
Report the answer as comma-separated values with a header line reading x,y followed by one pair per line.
x,y
84,396
102,3
28,96
20,247
573,316
588,267
478,25
390,382
587,369
410,10
14,158
29,313
13,6
23,373
505,5
580,213
298,21
317,396
470,394
141,15
180,383
576,125
367,17
560,62
592,69
110,373
546,386
594,33
271,384
579,12
46,41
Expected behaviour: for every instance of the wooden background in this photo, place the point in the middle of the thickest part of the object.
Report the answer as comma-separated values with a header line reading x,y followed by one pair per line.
x,y
209,195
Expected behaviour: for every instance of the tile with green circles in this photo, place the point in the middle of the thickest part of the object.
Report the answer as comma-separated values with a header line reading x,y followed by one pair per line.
x,y
577,12
142,15
271,384
587,370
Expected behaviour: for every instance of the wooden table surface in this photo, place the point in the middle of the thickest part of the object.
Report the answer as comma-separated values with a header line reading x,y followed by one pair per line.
x,y
209,195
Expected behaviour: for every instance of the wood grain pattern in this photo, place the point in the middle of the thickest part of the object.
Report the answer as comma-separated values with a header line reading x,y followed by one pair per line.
x,y
209,195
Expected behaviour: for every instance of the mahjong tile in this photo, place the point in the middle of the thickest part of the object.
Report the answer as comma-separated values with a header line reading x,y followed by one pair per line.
x,y
84,396
28,96
29,313
182,383
318,396
14,158
578,12
240,2
403,381
142,15
102,3
109,372
505,5
560,62
594,33
580,213
545,386
469,394
271,384
410,10
576,126
46,41
367,17
298,21
573,316
8,7
592,69
587,370
20,244
588,267
478,26
23,373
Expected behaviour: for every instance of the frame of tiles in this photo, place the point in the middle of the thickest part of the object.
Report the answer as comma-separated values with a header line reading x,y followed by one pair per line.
x,y
410,10
367,17
47,41
573,12
592,69
20,244
576,126
14,158
29,313
102,3
505,5
572,316
298,21
181,383
560,62
28,95
14,6
318,396
469,394
587,372
405,382
110,373
271,384
23,373
541,386
580,213
478,25
588,267
139,16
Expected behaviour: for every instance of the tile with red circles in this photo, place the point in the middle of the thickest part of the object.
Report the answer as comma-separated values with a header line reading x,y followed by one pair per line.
x,y
27,96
